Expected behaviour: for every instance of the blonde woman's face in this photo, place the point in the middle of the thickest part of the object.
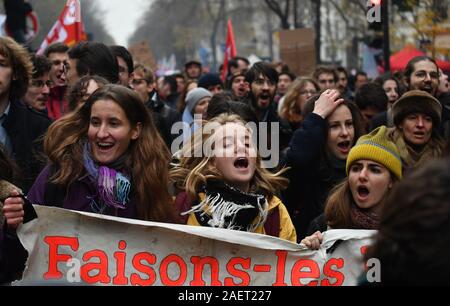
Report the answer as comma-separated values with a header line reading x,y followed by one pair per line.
x,y
369,183
235,155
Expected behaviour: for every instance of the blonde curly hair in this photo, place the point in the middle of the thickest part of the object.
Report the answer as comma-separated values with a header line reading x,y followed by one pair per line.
x,y
191,172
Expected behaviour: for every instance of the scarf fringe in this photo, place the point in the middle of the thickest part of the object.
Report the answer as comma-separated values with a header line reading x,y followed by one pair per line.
x,y
219,209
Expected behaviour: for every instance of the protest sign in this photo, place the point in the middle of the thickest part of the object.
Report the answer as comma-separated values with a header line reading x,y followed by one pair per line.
x,y
74,247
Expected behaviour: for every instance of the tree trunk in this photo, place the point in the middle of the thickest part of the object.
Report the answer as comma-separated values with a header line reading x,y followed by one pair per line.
x,y
318,26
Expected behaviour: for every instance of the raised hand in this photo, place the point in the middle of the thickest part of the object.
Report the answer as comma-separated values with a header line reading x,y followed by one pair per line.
x,y
327,103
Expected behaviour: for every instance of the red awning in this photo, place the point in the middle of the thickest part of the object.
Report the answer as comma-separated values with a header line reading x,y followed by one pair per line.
x,y
400,59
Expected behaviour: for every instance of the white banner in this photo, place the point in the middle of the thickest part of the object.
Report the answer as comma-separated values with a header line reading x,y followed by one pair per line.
x,y
74,248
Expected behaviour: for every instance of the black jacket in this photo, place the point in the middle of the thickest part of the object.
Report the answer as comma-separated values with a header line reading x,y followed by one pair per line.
x,y
319,224
16,11
311,176
166,116
25,128
269,117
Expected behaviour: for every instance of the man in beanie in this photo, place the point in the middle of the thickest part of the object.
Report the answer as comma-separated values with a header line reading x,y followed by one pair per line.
x,y
417,117
211,82
373,167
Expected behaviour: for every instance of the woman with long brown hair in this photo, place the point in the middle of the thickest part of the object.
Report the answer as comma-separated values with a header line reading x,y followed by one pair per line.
x,y
107,158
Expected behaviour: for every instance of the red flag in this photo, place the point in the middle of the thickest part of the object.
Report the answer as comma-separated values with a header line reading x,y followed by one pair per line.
x,y
230,49
68,28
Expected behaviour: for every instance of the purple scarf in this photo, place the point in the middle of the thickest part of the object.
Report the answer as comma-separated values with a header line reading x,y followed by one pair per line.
x,y
113,187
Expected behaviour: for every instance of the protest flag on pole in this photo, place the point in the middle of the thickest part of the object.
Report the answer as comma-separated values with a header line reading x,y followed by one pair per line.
x,y
230,50
68,28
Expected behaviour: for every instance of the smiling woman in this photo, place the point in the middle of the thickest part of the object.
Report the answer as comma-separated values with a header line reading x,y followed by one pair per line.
x,y
96,155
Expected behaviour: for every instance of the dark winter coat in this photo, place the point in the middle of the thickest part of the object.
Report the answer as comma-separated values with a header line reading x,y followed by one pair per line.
x,y
167,118
25,128
312,174
16,11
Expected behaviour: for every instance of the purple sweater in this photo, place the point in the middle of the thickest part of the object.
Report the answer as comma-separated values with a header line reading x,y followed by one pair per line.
x,y
79,196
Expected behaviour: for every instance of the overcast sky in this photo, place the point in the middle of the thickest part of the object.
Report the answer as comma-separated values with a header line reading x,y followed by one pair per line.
x,y
122,17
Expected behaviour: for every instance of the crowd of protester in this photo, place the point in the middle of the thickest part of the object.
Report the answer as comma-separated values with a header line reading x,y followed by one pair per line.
x,y
88,129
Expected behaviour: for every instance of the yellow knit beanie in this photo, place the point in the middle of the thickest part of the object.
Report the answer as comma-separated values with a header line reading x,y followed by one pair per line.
x,y
377,147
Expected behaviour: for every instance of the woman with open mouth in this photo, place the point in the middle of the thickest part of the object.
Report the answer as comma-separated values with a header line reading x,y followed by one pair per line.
x,y
317,155
226,187
417,118
373,167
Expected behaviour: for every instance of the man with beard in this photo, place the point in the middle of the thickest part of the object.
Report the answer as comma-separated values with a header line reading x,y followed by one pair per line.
x,y
422,73
57,104
38,90
263,79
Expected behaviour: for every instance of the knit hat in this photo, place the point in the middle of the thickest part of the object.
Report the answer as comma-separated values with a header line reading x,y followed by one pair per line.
x,y
377,147
190,63
194,96
417,101
209,79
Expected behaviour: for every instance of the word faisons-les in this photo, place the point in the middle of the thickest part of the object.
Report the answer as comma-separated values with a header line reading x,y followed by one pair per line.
x,y
150,270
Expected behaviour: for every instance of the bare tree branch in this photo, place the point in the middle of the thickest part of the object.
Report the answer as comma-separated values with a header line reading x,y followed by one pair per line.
x,y
276,8
360,5
339,10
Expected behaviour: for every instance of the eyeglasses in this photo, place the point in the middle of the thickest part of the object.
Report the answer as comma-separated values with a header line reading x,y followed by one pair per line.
x,y
261,82
423,74
308,92
41,84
